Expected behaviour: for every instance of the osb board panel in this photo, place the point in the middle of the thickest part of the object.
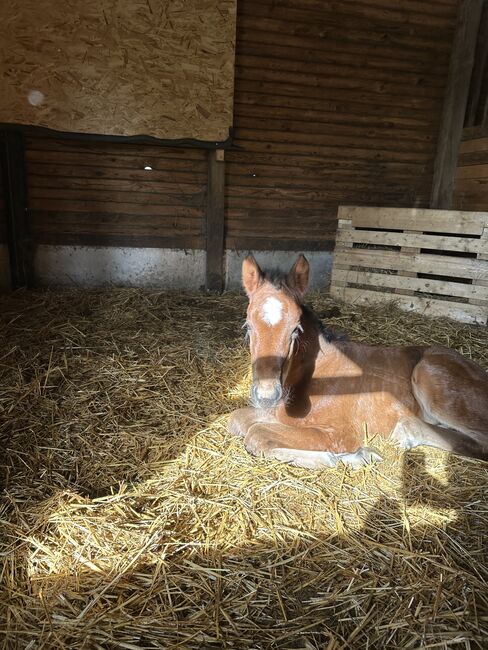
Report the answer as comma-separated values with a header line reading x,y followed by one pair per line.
x,y
434,261
324,113
119,67
117,194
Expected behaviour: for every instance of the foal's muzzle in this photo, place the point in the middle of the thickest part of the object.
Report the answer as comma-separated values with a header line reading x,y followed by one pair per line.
x,y
267,394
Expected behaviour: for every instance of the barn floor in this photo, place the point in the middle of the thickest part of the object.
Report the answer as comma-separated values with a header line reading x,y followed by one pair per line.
x,y
131,519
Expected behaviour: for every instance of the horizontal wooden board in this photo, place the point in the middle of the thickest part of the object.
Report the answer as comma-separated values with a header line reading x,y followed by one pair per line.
x,y
299,49
314,86
428,306
412,240
99,187
344,277
472,171
250,93
270,17
343,76
341,52
264,141
326,164
422,220
49,141
112,207
349,134
471,186
267,243
271,107
36,160
472,146
150,240
49,171
111,196
458,267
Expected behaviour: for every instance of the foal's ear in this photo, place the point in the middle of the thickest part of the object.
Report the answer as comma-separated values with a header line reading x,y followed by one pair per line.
x,y
298,275
251,275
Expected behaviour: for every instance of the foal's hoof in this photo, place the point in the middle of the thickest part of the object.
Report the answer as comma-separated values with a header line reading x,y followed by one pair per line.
x,y
322,459
362,457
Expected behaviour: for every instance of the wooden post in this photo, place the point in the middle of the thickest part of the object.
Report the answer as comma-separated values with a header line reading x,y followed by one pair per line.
x,y
18,222
454,110
480,61
215,221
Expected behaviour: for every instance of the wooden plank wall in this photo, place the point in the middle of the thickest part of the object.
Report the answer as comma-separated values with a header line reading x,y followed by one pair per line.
x,y
98,193
335,102
471,189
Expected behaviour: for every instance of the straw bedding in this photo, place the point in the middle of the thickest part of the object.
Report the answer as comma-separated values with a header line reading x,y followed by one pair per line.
x,y
132,519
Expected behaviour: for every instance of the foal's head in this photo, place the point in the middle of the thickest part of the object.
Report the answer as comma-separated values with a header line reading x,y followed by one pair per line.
x,y
274,323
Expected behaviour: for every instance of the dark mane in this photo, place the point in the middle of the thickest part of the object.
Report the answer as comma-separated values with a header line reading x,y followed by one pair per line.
x,y
279,280
324,331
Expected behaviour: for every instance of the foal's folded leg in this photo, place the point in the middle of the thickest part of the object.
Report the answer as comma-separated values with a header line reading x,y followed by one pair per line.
x,y
241,420
412,432
304,447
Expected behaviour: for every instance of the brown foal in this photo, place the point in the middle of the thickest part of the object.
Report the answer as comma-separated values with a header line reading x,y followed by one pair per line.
x,y
315,395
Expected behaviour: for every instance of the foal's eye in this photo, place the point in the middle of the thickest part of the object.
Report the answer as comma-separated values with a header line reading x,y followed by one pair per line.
x,y
296,331
247,330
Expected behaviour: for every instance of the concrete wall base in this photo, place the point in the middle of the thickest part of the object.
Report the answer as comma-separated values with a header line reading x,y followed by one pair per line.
x,y
89,266
93,266
320,265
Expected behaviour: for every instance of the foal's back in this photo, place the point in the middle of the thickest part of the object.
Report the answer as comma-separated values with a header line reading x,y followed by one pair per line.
x,y
356,385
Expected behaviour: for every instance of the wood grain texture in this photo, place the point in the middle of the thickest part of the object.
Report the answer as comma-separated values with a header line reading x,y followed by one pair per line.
x,y
476,90
440,272
164,69
471,183
454,109
215,221
335,103
103,194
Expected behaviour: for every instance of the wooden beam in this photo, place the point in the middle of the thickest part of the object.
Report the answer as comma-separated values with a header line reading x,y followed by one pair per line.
x,y
18,221
454,110
215,221
480,61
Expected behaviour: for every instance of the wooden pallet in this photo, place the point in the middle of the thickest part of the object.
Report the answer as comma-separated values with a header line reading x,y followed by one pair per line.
x,y
433,261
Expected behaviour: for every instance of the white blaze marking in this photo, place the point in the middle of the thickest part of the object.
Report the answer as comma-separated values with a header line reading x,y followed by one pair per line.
x,y
272,311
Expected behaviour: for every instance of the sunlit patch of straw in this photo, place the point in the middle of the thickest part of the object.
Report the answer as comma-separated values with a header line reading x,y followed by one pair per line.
x,y
131,518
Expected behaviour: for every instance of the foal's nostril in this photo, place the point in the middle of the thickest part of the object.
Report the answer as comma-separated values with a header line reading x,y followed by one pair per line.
x,y
254,393
266,396
276,396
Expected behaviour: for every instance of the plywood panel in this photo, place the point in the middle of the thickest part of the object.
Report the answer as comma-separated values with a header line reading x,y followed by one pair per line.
x,y
131,67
